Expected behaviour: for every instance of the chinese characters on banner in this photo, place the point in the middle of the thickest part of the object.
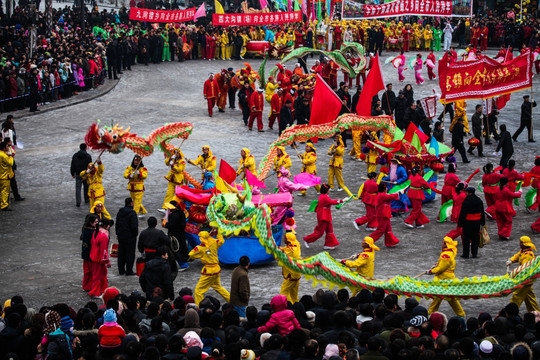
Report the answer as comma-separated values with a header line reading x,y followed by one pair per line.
x,y
256,19
408,7
164,16
484,78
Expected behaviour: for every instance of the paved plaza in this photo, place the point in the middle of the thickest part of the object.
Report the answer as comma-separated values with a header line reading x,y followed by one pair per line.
x,y
40,243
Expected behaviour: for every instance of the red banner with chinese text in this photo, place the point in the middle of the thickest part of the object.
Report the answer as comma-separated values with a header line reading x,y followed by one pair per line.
x,y
408,7
164,16
484,78
256,19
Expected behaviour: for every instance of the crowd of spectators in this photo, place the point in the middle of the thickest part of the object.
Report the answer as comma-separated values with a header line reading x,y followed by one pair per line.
x,y
325,326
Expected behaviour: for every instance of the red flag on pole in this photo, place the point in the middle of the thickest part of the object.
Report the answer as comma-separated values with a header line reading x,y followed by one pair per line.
x,y
374,84
326,104
226,172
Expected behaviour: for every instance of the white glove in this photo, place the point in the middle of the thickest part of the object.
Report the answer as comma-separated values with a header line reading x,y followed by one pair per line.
x,y
171,162
131,176
345,199
508,262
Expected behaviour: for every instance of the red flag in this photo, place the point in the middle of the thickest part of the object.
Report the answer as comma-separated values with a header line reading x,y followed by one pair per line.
x,y
253,181
501,101
326,104
374,84
226,172
411,131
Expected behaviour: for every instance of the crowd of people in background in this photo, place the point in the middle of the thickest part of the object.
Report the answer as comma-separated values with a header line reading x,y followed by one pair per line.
x,y
69,60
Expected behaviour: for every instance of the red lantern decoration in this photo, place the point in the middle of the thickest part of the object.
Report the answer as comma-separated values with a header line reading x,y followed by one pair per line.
x,y
197,214
363,156
437,167
474,142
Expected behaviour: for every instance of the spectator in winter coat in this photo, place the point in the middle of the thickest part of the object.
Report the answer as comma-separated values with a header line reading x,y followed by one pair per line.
x,y
282,320
157,274
127,229
110,335
79,163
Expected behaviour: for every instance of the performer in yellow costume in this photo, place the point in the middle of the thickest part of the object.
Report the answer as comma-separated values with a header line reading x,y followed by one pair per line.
x,y
428,36
175,177
223,45
373,154
94,178
271,87
207,251
291,279
309,163
244,44
282,159
444,269
460,111
6,174
365,261
206,161
136,173
336,164
525,293
247,163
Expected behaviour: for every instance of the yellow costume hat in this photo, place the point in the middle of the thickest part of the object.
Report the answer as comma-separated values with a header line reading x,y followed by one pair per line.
x,y
310,144
450,244
368,240
246,150
98,202
291,238
526,241
206,146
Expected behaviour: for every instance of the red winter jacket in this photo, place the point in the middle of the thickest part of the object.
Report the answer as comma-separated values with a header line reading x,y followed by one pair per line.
x,y
282,319
110,335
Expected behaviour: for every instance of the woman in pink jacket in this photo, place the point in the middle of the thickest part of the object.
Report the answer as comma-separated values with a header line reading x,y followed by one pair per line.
x,y
282,319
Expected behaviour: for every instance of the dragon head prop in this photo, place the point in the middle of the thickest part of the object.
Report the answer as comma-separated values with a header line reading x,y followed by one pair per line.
x,y
111,138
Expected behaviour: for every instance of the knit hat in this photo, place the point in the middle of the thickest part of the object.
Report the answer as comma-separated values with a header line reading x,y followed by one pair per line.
x,y
521,351
411,303
526,241
109,316
192,339
194,353
486,347
110,293
52,319
418,320
311,317
246,354
66,324
264,337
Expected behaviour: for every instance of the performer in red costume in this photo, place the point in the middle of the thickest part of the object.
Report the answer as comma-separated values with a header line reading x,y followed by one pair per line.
x,y
504,211
535,183
416,195
384,214
256,104
211,93
490,180
368,195
324,221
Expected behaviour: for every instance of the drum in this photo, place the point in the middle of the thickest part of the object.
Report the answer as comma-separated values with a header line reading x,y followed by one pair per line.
x,y
257,48
392,41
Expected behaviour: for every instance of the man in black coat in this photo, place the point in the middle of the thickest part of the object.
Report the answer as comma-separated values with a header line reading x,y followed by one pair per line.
x,y
157,274
458,132
526,118
79,163
411,116
243,99
127,229
285,116
477,120
505,143
471,218
112,54
151,239
176,224
388,100
400,107
303,112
